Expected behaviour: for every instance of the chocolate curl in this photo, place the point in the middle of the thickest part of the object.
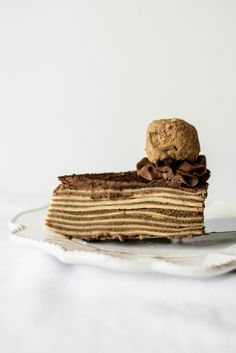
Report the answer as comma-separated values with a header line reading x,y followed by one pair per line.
x,y
150,171
164,167
189,173
183,179
147,170
192,172
197,167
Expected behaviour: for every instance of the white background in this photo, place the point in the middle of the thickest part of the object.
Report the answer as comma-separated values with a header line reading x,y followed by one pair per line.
x,y
79,83
81,80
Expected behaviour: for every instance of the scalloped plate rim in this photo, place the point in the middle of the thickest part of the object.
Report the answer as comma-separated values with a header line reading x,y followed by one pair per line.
x,y
112,262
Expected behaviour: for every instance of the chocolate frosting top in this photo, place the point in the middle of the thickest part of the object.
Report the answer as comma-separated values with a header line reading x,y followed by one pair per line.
x,y
117,181
181,173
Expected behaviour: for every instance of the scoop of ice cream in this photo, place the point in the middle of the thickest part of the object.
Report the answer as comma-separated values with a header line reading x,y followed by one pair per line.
x,y
171,138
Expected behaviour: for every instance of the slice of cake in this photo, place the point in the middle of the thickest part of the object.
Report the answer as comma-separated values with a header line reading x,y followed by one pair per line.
x,y
164,197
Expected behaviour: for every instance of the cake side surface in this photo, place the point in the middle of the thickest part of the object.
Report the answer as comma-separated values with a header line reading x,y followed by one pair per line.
x,y
126,210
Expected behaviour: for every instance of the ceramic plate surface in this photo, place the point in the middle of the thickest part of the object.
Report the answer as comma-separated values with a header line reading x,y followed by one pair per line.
x,y
209,255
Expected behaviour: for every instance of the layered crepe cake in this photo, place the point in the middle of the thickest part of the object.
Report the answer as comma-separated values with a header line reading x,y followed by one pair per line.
x,y
164,197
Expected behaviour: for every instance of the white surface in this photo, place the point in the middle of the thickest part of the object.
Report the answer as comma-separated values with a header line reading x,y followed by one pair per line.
x,y
74,72
47,306
209,255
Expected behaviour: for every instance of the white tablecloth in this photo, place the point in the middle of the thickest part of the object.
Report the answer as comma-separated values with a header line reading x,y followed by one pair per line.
x,y
47,306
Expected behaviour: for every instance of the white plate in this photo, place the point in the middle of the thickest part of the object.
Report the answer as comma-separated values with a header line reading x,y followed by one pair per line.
x,y
208,255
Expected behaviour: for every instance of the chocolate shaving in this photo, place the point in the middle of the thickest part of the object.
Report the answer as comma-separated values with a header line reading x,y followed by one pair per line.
x,y
186,173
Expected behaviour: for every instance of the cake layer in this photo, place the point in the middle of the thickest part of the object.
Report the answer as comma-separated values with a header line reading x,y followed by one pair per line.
x,y
124,233
143,211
